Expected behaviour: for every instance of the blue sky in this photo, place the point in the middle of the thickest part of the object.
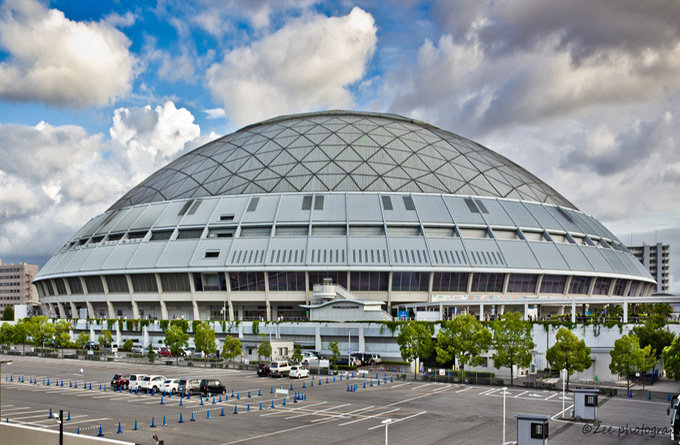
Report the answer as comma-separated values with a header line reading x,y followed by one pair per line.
x,y
95,96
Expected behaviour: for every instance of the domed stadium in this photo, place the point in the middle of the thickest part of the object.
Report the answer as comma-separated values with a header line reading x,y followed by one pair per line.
x,y
387,208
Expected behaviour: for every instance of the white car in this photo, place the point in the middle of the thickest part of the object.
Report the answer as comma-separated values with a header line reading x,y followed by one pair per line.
x,y
170,386
298,372
152,382
136,381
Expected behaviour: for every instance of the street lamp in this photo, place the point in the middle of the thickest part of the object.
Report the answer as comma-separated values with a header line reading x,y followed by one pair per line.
x,y
2,362
505,389
564,377
386,422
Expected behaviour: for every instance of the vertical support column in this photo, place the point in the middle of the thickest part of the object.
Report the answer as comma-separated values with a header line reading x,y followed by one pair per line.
x,y
164,310
275,311
430,284
526,311
481,311
90,309
230,307
317,339
625,312
109,305
389,292
194,304
266,296
573,312
441,311
60,308
240,312
468,289
135,309
307,289
362,340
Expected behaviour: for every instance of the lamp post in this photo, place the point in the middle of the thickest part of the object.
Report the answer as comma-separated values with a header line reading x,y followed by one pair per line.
x,y
2,362
504,393
564,376
387,423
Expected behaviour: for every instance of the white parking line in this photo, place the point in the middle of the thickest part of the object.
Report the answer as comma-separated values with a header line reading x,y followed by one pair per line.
x,y
420,386
80,421
464,389
273,413
401,384
521,394
370,417
399,420
550,397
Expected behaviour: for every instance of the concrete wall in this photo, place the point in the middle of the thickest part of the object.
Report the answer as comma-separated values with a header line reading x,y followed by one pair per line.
x,y
12,433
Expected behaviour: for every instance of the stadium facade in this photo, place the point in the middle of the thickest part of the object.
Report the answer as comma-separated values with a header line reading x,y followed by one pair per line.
x,y
391,209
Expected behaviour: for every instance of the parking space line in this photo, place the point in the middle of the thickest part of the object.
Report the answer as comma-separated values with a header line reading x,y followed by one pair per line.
x,y
420,386
550,397
399,420
81,421
401,384
369,417
42,414
273,413
18,408
305,413
464,389
521,394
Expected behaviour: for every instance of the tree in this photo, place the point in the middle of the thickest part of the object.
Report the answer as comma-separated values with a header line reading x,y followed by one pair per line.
x,y
335,350
40,330
628,357
264,350
671,358
569,353
231,347
82,339
297,353
176,339
464,338
8,313
62,336
20,334
415,341
512,342
105,339
204,339
127,345
6,334
654,332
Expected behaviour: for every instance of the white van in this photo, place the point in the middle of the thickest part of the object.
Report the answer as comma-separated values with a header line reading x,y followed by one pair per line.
x,y
279,368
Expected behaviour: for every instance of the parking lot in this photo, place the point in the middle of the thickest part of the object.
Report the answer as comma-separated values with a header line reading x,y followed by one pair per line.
x,y
327,412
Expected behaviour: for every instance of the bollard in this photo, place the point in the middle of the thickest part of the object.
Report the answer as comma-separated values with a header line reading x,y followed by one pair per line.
x,y
201,395
101,434
248,407
162,399
291,386
284,401
235,409
153,422
260,406
50,416
120,430
222,412
181,420
164,422
135,428
207,416
192,416
78,431
69,415
238,396
649,395
248,394
259,392
213,400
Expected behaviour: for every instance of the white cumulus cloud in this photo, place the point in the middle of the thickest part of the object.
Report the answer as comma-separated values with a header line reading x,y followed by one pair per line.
x,y
307,64
59,61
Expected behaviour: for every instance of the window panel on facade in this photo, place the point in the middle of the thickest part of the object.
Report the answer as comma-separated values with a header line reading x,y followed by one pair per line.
x,y
487,282
522,283
286,281
74,285
60,286
117,284
619,287
450,282
175,282
246,281
553,284
94,285
602,286
633,290
579,285
144,282
318,278
410,281
369,281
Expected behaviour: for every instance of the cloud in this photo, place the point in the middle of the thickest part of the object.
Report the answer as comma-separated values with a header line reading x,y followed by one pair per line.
x,y
215,113
59,61
307,64
55,177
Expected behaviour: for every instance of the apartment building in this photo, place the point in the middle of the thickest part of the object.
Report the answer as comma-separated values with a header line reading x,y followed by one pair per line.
x,y
656,258
16,284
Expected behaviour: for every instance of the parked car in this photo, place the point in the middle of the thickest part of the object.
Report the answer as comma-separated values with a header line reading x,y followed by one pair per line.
x,y
189,386
263,370
364,358
170,386
375,359
136,349
307,355
212,386
298,372
345,361
91,346
120,381
279,368
165,352
192,352
152,383
135,380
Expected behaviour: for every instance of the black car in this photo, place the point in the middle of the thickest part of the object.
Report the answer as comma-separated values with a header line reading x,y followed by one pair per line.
x,y
263,370
364,358
212,386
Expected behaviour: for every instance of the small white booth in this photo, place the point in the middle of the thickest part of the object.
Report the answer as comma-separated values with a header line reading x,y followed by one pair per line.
x,y
532,429
585,404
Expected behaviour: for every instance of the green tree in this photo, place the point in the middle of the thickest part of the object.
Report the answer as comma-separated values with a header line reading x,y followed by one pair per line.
x,y
297,353
231,348
82,339
512,342
182,324
176,339
654,332
40,330
204,338
628,357
464,338
335,350
569,353
20,332
6,334
62,336
8,313
264,350
151,354
105,339
415,341
671,359
127,345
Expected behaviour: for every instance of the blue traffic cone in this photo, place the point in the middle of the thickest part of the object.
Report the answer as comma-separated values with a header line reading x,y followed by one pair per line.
x,y
90,385
391,379
48,382
100,387
162,399
260,406
232,393
220,399
377,376
272,403
259,392
235,409
326,379
50,416
192,416
303,385
135,428
347,388
201,399
180,402
101,434
305,396
69,415
213,400
630,393
120,430
181,420
284,401
312,384
364,384
248,394
272,390
164,422
291,386
76,385
333,379
248,407
207,416
226,397
153,422
371,383
649,395
78,430
222,412
238,396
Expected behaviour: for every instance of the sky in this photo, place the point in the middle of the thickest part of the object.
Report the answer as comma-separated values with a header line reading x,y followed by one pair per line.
x,y
96,96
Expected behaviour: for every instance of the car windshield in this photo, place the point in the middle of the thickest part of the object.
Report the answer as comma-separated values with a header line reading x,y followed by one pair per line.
x,y
274,365
167,382
133,377
146,379
117,376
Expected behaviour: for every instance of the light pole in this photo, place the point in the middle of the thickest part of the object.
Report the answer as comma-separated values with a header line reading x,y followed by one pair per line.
x,y
564,375
387,423
2,362
504,393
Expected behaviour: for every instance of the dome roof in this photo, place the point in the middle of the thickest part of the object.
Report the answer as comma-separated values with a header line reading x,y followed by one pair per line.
x,y
341,151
